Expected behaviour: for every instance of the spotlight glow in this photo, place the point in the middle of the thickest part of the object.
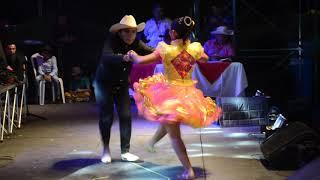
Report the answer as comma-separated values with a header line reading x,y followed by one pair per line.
x,y
206,145
236,135
210,128
200,155
227,144
242,156
76,152
192,150
246,143
210,132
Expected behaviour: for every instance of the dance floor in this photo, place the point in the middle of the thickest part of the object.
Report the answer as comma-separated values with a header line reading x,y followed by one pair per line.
x,y
67,146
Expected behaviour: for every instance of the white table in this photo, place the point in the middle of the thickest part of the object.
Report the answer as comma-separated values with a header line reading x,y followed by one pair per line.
x,y
231,83
11,113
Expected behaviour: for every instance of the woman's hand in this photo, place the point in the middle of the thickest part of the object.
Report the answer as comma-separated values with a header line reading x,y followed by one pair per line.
x,y
132,54
149,58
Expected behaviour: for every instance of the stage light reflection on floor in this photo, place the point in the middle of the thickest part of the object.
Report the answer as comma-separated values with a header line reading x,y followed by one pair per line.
x,y
77,152
209,132
246,143
193,150
226,144
201,155
239,156
250,155
236,135
210,128
133,171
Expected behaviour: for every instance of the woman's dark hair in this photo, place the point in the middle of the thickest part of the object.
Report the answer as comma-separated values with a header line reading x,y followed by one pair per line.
x,y
167,38
183,26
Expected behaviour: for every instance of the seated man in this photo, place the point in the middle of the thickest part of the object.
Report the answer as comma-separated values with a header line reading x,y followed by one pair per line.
x,y
156,27
47,66
6,74
220,47
15,60
79,87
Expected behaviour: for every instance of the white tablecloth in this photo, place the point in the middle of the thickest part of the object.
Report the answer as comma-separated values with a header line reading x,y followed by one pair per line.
x,y
231,83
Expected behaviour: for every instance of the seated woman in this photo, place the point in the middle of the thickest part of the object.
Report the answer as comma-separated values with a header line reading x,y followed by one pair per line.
x,y
220,47
79,87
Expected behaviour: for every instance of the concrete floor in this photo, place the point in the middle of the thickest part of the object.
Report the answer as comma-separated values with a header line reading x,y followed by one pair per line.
x,y
67,146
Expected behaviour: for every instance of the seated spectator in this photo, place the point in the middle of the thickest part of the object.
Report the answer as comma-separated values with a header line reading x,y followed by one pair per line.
x,y
6,74
212,19
79,87
15,60
220,47
47,66
156,26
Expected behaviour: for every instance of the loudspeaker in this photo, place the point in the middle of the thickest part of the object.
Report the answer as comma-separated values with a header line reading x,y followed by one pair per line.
x,y
291,147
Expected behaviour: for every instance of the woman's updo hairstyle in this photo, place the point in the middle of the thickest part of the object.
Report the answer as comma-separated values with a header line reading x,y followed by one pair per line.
x,y
183,26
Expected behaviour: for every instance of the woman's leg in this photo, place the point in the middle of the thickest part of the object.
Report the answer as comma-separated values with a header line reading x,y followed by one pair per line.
x,y
180,149
160,133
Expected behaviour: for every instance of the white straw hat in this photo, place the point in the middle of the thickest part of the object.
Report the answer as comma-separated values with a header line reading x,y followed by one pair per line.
x,y
127,21
222,30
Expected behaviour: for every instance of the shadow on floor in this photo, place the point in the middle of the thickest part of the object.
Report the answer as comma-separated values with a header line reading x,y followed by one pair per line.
x,y
93,168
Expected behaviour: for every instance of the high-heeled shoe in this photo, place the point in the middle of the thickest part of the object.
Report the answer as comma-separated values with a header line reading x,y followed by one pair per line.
x,y
150,148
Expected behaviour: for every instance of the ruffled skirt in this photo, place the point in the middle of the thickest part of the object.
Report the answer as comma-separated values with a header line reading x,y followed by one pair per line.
x,y
159,100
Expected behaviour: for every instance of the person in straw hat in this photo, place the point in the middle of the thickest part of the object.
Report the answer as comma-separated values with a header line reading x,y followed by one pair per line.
x,y
111,84
220,47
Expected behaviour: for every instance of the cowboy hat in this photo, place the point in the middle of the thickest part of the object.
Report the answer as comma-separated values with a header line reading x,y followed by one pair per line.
x,y
127,21
222,30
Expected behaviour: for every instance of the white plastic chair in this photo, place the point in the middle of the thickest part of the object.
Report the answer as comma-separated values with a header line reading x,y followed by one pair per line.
x,y
42,87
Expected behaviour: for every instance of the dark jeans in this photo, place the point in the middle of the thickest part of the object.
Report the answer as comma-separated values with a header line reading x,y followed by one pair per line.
x,y
107,98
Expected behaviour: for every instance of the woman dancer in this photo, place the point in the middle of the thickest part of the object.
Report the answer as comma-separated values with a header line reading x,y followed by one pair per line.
x,y
172,98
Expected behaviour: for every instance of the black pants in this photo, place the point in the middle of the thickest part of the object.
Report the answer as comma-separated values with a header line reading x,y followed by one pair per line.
x,y
107,98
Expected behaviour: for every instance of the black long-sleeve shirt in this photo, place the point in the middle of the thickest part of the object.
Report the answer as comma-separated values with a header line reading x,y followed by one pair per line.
x,y
112,70
16,62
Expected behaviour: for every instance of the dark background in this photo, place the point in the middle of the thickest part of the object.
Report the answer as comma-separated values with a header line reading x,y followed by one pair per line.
x,y
264,33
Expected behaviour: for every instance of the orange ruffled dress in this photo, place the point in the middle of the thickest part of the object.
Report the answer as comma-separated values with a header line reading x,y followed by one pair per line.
x,y
173,97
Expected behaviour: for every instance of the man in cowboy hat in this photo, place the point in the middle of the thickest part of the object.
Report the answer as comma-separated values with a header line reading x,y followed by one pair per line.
x,y
111,84
220,47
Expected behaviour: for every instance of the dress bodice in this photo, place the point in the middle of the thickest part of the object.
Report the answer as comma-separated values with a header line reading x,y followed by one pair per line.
x,y
179,60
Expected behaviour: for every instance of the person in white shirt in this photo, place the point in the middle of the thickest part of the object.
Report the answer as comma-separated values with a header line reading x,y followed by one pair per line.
x,y
156,27
47,66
